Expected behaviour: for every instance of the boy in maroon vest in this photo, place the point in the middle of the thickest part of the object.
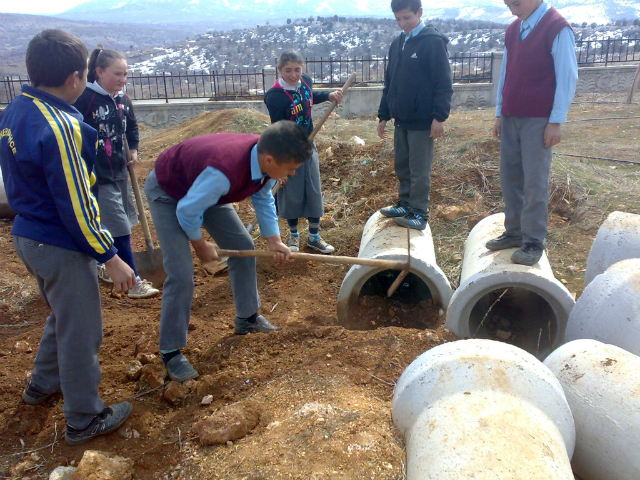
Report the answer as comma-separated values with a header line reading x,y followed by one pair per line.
x,y
537,84
193,185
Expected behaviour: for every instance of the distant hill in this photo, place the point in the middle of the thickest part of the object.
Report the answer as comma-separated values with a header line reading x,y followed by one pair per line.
x,y
225,14
18,29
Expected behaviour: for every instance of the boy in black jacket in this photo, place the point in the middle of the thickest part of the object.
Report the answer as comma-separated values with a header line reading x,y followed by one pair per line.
x,y
417,94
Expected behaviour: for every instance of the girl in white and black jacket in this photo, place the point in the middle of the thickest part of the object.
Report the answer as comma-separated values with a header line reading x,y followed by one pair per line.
x,y
107,109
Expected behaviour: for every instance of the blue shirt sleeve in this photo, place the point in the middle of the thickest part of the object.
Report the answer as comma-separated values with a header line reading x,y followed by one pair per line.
x,y
566,67
205,192
265,207
503,72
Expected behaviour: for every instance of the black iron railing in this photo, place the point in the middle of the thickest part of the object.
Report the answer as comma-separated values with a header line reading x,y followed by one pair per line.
x,y
607,50
219,85
327,72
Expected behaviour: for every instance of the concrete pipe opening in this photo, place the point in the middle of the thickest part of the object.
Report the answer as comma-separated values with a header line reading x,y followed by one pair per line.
x,y
500,300
411,306
363,303
515,315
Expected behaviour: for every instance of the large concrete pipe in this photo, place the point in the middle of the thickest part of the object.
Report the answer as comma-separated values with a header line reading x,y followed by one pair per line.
x,y
609,308
5,211
382,238
479,409
602,385
618,238
525,306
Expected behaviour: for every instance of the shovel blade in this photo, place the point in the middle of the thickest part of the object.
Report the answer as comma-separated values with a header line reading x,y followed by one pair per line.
x,y
150,267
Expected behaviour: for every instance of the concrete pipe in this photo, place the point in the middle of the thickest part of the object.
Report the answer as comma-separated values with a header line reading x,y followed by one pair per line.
x,y
479,409
5,211
498,299
382,238
609,308
602,385
618,238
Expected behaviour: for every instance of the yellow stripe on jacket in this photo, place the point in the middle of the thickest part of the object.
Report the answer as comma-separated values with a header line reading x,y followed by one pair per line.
x,y
68,135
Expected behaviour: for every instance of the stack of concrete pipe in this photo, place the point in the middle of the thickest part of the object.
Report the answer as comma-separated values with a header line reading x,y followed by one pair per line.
x,y
609,308
618,238
602,386
481,409
484,409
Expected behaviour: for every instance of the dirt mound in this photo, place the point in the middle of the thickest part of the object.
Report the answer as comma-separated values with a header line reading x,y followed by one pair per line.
x,y
236,120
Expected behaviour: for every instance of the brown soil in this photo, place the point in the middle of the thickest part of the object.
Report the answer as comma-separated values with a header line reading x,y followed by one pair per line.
x,y
324,391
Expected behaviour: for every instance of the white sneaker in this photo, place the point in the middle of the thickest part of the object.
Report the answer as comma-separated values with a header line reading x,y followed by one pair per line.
x,y
143,289
103,275
294,243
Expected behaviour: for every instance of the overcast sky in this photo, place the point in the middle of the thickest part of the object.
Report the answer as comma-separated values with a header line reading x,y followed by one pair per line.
x,y
37,6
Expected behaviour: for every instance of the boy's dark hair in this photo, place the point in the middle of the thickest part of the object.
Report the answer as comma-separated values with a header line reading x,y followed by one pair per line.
x,y
286,141
289,56
53,55
101,58
413,5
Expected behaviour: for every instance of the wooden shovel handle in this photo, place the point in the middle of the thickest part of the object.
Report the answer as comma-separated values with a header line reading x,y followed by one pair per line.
x,y
138,197
369,262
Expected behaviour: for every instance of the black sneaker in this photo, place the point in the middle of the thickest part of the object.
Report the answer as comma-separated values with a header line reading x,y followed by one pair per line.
x,y
529,254
394,211
412,220
33,396
109,420
504,241
260,324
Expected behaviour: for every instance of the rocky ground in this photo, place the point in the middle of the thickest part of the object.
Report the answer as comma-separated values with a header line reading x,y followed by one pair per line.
x,y
312,400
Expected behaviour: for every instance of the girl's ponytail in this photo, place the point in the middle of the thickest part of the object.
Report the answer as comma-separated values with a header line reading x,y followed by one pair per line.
x,y
101,58
91,74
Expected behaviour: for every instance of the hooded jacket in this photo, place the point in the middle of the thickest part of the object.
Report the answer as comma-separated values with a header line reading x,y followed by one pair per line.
x,y
417,83
113,118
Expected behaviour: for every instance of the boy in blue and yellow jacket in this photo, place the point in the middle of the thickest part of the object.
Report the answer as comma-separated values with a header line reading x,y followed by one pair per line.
x,y
47,155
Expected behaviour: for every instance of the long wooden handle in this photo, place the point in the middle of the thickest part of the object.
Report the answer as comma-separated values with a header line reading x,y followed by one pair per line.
x,y
138,197
333,105
369,262
315,130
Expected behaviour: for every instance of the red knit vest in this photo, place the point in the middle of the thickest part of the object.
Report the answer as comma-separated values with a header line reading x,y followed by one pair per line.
x,y
179,166
530,80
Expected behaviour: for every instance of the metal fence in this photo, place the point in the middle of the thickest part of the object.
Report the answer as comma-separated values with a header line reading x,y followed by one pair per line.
x,y
607,50
219,85
334,71
327,72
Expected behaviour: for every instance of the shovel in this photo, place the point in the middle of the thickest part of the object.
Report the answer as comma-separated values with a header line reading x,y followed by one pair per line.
x,y
316,129
148,263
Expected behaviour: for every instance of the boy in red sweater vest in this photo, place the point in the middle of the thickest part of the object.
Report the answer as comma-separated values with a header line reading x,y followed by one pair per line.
x,y
537,84
193,185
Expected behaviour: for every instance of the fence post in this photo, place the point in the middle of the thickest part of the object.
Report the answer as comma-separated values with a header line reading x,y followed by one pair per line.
x,y
166,94
606,56
496,68
269,77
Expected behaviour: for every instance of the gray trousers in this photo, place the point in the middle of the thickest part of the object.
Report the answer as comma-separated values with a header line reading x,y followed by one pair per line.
x,y
67,357
525,164
413,152
228,231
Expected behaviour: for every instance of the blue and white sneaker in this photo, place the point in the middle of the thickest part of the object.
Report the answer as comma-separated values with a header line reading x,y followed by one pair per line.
x,y
394,211
318,243
412,220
